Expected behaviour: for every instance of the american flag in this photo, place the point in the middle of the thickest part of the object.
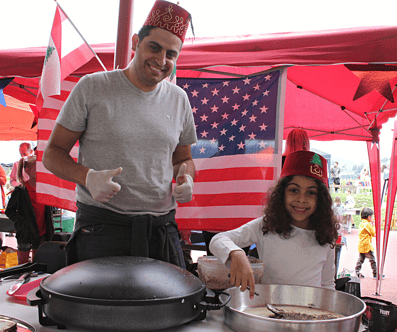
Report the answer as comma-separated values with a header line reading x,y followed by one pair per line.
x,y
234,156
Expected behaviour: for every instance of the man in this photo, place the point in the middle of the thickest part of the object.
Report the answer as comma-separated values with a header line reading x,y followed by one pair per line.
x,y
134,130
25,149
335,171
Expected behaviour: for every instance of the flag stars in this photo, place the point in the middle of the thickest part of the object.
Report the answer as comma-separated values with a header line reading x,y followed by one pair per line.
x,y
204,134
223,131
226,83
214,109
225,100
247,81
266,93
215,125
213,141
246,96
205,85
186,86
264,109
268,77
203,117
202,150
252,136
235,107
215,92
263,127
225,116
241,145
234,122
231,138
255,102
257,87
204,101
194,109
194,93
252,118
236,90
242,128
244,113
221,148
262,144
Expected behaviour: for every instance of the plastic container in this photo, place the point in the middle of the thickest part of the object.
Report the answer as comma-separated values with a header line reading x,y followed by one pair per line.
x,y
216,275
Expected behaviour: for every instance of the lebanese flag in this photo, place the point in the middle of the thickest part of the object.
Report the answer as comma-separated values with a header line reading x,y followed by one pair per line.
x,y
66,52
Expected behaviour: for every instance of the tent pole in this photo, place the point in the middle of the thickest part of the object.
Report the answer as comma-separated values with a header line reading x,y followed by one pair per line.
x,y
123,52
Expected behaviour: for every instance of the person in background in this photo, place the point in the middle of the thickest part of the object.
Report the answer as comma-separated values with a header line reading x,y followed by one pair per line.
x,y
3,181
135,131
335,173
384,180
32,220
296,235
349,204
297,140
337,207
365,234
25,149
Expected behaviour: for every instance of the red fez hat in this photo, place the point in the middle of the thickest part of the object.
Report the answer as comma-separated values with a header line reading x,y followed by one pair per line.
x,y
169,16
306,163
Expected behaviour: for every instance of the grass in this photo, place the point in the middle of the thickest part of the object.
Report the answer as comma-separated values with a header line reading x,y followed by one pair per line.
x,y
363,200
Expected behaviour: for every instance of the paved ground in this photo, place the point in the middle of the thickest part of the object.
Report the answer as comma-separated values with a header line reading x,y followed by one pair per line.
x,y
388,286
349,255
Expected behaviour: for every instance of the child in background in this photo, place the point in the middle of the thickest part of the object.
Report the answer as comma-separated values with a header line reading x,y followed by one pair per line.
x,y
297,234
337,207
365,234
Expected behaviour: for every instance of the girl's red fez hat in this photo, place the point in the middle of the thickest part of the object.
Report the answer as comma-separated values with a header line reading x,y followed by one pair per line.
x,y
306,163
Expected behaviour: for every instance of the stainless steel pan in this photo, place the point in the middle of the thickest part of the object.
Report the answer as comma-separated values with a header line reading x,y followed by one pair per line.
x,y
338,302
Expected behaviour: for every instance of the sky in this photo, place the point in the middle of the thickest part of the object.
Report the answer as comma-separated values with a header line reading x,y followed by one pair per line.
x,y
27,23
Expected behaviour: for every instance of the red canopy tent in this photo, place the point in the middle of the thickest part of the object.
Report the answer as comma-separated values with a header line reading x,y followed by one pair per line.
x,y
339,82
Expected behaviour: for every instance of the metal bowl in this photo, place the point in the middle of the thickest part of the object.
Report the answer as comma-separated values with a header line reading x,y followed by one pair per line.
x,y
338,302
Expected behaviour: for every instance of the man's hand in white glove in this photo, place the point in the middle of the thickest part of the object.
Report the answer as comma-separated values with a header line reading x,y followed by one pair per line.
x,y
183,190
100,184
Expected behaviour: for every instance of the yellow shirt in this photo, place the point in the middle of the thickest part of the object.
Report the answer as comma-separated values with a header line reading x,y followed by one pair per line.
x,y
365,234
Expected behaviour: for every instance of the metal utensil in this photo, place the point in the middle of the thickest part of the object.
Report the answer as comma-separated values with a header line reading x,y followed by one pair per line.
x,y
277,312
24,278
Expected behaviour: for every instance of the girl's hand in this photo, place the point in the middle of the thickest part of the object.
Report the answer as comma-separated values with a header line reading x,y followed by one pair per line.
x,y
241,274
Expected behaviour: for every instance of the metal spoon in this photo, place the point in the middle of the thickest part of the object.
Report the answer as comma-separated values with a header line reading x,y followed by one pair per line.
x,y
273,309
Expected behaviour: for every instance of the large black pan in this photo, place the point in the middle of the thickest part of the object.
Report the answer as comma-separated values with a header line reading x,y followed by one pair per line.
x,y
121,294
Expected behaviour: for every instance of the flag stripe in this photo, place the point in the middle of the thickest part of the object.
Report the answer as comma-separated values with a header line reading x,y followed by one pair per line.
x,y
236,173
227,199
212,224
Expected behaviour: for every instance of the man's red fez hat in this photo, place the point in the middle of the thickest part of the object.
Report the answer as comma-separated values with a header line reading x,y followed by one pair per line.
x,y
306,163
169,16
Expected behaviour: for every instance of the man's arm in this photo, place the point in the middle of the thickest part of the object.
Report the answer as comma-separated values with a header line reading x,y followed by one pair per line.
x,y
13,176
183,155
56,157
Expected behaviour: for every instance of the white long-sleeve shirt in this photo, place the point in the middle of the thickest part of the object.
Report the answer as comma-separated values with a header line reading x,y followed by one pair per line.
x,y
298,260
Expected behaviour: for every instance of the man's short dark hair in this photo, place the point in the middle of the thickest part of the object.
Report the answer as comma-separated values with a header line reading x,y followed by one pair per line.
x,y
145,31
366,212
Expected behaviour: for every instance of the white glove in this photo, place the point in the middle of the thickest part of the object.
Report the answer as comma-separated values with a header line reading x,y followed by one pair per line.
x,y
183,191
100,184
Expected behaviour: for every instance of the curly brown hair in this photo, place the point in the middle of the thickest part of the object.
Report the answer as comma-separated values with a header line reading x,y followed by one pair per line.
x,y
276,219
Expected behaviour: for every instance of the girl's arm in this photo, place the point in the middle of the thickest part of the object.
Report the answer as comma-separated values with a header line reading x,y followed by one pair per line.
x,y
328,273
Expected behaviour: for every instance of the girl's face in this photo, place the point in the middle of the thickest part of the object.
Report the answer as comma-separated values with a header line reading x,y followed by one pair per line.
x,y
300,199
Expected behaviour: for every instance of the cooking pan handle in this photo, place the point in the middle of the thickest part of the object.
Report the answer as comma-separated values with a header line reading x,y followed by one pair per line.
x,y
202,305
23,268
34,298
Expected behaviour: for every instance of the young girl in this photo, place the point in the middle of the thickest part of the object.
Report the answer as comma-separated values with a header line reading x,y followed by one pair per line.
x,y
296,236
29,217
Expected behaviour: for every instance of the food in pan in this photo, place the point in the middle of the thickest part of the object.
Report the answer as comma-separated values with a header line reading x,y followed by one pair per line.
x,y
6,326
292,312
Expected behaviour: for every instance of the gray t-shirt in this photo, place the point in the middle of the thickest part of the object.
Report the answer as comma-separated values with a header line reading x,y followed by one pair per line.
x,y
139,131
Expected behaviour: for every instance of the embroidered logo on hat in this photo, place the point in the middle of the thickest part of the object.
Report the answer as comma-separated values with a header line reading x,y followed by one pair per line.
x,y
170,17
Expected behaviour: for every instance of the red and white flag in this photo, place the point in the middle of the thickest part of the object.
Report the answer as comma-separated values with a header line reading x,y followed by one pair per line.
x,y
66,52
